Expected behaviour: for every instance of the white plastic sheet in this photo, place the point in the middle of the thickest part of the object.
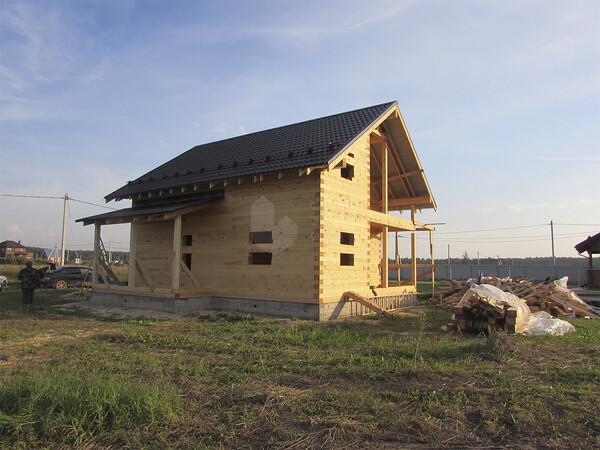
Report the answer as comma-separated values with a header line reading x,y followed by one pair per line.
x,y
542,323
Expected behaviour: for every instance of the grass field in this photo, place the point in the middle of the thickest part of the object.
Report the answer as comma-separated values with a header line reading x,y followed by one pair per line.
x,y
70,379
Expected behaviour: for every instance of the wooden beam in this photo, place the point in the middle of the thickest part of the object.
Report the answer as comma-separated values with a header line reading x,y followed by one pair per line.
x,y
96,256
402,175
432,262
190,274
385,282
181,212
132,252
142,271
409,201
384,209
365,302
176,272
377,136
384,179
406,266
413,247
414,282
394,223
164,270
399,166
109,271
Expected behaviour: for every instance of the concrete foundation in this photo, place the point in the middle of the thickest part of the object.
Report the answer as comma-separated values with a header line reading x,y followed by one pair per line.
x,y
309,311
197,304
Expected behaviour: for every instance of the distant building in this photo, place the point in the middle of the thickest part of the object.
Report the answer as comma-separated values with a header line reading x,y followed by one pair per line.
x,y
592,246
52,255
12,249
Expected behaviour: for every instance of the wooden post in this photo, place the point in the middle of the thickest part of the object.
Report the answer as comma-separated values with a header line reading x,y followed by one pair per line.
x,y
96,256
384,209
176,269
432,261
397,257
132,254
413,248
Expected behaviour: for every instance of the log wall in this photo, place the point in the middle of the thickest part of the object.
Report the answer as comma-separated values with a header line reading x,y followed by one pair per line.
x,y
221,241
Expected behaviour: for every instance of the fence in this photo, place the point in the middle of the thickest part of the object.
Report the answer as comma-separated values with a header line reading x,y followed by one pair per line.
x,y
577,275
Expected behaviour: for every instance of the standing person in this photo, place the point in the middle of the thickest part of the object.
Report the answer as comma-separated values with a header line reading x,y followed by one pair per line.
x,y
30,280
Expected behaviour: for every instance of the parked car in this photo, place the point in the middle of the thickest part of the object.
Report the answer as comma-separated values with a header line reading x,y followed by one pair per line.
x,y
3,283
69,276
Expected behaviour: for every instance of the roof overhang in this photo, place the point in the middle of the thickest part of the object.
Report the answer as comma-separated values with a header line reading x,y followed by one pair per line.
x,y
157,209
590,245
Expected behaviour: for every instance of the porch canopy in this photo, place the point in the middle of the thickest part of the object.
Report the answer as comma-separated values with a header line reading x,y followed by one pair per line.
x,y
157,208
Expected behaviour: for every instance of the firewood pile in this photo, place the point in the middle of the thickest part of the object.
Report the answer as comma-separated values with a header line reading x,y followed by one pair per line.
x,y
485,309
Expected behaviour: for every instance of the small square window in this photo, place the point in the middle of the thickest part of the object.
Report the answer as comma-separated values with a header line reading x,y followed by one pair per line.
x,y
346,259
187,240
348,172
346,238
260,258
261,237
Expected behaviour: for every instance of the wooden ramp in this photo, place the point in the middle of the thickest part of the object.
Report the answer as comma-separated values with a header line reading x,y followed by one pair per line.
x,y
365,302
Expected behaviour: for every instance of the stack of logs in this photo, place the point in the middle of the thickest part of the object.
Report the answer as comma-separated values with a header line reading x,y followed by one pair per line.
x,y
472,312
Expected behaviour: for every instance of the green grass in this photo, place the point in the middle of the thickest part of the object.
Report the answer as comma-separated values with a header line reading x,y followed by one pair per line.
x,y
243,381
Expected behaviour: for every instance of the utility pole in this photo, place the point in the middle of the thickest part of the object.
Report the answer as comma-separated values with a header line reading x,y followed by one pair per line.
x,y
449,268
64,229
552,238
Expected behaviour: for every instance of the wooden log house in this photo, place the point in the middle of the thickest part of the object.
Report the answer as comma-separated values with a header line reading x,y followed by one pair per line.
x,y
289,222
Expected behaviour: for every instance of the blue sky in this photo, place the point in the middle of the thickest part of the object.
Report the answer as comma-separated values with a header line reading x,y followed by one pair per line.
x,y
502,101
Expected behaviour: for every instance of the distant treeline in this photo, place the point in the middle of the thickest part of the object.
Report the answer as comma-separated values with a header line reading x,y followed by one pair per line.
x,y
84,256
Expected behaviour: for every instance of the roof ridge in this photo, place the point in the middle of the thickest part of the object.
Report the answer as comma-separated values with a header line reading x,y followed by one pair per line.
x,y
301,144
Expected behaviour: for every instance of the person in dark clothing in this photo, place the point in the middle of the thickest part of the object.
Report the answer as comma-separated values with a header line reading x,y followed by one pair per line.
x,y
30,281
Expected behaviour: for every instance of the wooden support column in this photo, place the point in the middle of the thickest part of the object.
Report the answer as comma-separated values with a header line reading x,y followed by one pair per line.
x,y
132,254
398,257
432,261
96,256
384,209
413,248
176,269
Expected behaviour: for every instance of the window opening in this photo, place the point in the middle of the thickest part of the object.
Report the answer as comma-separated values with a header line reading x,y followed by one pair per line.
x,y
187,240
346,259
346,238
187,260
348,172
261,237
260,258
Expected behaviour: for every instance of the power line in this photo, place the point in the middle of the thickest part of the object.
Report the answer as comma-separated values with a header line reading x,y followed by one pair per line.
x,y
57,198
493,229
31,196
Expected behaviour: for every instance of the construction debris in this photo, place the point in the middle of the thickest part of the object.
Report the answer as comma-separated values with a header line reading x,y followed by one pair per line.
x,y
507,303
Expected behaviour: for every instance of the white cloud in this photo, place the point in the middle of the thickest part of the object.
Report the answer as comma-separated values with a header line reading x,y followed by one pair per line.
x,y
14,230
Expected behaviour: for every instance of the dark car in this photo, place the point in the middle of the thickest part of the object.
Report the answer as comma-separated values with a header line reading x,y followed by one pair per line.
x,y
69,276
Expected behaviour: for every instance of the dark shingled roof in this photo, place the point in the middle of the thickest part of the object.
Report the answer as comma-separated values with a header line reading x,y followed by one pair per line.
x,y
591,245
154,207
301,145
